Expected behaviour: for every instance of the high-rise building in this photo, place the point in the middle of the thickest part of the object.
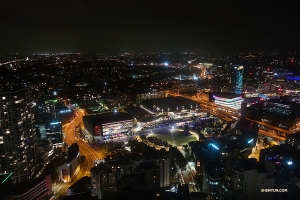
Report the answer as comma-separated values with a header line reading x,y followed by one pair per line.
x,y
17,134
165,171
239,79
104,177
245,179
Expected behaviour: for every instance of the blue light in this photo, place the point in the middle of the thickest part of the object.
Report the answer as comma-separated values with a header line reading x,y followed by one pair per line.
x,y
289,162
65,111
296,78
250,140
215,146
54,123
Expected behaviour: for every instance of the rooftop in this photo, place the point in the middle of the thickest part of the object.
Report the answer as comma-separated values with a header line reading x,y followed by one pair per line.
x,y
214,169
107,118
252,164
88,104
137,112
170,103
146,166
79,186
73,151
226,95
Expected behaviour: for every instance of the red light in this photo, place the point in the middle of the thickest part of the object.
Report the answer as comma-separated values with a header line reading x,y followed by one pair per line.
x,y
292,61
268,69
250,73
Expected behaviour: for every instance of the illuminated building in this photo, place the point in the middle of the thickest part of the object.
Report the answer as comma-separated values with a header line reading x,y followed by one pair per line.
x,y
165,171
37,189
239,79
237,141
108,126
71,167
244,180
104,177
230,100
17,135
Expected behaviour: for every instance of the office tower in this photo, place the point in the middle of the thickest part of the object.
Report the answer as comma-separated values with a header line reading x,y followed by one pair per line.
x,y
239,79
17,134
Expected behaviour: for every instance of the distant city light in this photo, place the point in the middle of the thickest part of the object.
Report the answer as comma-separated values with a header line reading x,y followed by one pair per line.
x,y
166,63
289,162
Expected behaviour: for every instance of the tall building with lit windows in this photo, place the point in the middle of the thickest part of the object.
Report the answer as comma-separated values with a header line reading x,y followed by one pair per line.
x,y
239,79
17,134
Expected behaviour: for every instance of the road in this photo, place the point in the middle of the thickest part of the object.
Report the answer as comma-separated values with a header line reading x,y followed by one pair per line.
x,y
85,150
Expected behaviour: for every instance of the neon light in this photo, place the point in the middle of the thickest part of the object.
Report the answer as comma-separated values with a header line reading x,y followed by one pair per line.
x,y
215,146
54,123
250,140
7,177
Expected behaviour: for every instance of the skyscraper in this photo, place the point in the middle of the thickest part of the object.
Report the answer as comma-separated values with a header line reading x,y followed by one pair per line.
x,y
17,134
239,79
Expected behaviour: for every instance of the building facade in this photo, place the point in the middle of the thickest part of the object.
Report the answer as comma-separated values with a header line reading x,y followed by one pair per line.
x,y
165,171
71,167
40,190
244,180
104,178
17,135
229,100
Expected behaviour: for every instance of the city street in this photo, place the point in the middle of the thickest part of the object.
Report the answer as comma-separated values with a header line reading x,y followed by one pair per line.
x,y
85,150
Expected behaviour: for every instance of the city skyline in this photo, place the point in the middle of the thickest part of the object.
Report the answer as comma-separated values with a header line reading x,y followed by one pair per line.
x,y
118,26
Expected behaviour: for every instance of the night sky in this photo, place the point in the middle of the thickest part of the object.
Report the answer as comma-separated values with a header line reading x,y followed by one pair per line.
x,y
118,26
